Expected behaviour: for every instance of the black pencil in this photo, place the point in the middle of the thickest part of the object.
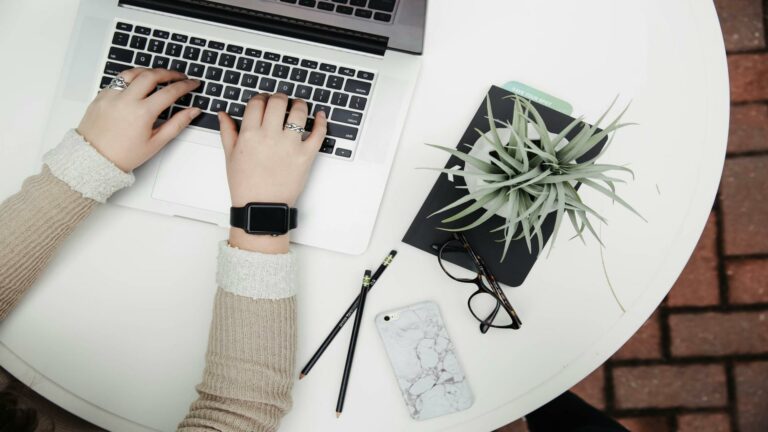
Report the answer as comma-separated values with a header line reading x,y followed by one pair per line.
x,y
353,342
344,318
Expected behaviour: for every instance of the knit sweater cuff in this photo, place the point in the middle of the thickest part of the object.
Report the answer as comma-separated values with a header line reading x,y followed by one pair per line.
x,y
256,275
75,162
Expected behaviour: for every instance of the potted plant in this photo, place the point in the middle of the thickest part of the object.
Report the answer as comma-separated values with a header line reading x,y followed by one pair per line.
x,y
523,173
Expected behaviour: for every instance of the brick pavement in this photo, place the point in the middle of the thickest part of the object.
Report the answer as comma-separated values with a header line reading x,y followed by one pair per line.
x,y
700,363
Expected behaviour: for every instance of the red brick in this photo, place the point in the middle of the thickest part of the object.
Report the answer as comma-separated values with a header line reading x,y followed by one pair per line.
x,y
516,426
702,422
645,344
752,396
749,128
742,24
749,77
698,284
592,388
716,333
748,281
666,386
745,208
646,424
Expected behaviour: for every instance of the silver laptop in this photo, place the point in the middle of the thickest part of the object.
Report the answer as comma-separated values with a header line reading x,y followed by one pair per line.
x,y
357,60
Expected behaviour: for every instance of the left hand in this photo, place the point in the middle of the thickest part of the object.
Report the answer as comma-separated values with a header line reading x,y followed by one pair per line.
x,y
121,124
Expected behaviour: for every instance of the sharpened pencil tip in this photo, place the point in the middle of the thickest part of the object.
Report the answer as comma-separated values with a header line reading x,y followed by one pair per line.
x,y
301,376
338,414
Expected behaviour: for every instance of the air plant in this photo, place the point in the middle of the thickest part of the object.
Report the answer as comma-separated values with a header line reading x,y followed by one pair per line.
x,y
527,179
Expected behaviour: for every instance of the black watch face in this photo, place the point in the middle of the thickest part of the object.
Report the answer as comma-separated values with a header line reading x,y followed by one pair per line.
x,y
271,219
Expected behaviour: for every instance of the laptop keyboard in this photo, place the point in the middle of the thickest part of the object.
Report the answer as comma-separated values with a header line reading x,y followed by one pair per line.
x,y
231,74
376,10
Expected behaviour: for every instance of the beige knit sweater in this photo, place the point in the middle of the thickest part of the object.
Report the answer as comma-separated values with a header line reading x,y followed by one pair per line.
x,y
246,384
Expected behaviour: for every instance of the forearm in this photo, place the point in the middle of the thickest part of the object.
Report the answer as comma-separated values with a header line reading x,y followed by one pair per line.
x,y
35,221
249,368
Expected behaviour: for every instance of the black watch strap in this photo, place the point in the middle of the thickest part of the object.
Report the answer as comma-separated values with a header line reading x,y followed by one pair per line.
x,y
238,218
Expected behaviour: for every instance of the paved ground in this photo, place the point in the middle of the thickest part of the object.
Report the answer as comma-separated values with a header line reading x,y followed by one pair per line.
x,y
701,362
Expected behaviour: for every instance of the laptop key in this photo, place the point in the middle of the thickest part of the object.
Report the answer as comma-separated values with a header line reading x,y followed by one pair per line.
x,y
325,6
105,81
201,102
232,93
161,62
173,49
121,39
382,5
299,75
290,60
358,87
235,49
124,26
339,99
227,60
185,100
112,68
245,64
317,78
263,67
142,30
325,67
197,41
179,66
200,88
214,73
308,3
121,55
342,131
247,95
162,34
196,70
218,105
191,53
381,16
343,152
143,59
309,64
347,71
156,46
280,71
321,95
363,13
231,77
325,108
328,145
236,109
207,121
368,76
249,81
213,89
250,52
345,116
138,42
346,10
216,45
303,92
267,84
335,82
358,3
272,56
209,57
179,38
285,87
358,103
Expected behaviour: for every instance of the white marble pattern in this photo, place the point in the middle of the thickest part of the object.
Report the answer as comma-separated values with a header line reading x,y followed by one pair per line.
x,y
425,363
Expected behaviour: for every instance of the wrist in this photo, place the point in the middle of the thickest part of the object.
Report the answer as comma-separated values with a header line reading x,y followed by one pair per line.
x,y
259,243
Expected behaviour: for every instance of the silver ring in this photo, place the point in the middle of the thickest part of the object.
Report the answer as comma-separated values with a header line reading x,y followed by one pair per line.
x,y
118,83
295,128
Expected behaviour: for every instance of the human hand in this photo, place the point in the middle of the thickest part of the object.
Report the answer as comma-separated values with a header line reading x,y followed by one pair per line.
x,y
266,163
120,124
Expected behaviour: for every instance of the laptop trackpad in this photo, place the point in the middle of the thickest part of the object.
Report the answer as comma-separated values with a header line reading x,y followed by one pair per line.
x,y
193,175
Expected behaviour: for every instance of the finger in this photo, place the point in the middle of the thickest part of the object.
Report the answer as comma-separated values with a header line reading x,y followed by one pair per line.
x,y
228,130
254,112
147,81
173,127
131,74
319,129
298,114
166,96
274,114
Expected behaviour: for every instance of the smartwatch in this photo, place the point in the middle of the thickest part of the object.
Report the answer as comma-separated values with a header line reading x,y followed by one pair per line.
x,y
264,218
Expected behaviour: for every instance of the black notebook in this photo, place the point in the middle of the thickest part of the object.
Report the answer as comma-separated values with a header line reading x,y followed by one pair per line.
x,y
424,232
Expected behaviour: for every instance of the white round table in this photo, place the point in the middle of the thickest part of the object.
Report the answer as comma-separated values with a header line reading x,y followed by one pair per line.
x,y
116,329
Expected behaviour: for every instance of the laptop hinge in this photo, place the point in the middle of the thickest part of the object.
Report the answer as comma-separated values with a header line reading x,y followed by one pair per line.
x,y
267,23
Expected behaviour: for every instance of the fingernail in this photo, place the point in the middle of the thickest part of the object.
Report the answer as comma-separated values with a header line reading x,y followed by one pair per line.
x,y
321,114
195,112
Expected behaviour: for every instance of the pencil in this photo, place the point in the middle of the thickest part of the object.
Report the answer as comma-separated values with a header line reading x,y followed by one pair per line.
x,y
344,318
353,342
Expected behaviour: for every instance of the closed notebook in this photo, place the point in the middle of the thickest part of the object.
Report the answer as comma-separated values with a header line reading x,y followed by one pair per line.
x,y
424,232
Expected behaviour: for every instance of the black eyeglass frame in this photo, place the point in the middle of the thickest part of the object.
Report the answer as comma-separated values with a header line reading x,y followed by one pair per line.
x,y
494,290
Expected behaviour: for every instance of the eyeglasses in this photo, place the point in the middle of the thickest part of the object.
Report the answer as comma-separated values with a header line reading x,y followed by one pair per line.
x,y
488,304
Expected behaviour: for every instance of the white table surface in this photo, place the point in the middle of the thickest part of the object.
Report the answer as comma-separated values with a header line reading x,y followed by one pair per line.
x,y
116,329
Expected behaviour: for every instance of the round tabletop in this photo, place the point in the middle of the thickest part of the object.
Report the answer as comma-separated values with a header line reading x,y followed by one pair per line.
x,y
116,328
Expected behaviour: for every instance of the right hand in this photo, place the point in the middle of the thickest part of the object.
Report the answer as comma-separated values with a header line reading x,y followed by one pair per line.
x,y
266,163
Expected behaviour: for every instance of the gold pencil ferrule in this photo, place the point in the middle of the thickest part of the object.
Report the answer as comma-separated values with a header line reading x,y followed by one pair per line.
x,y
367,280
388,260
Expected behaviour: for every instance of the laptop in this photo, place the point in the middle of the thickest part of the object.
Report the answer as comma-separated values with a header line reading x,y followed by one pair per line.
x,y
357,60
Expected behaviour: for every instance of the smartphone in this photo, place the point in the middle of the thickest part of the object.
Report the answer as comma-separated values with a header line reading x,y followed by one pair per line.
x,y
424,361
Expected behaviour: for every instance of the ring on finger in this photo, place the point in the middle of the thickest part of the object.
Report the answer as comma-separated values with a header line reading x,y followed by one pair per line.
x,y
295,128
118,83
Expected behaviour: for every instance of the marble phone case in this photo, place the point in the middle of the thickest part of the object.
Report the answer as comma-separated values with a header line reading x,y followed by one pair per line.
x,y
424,361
